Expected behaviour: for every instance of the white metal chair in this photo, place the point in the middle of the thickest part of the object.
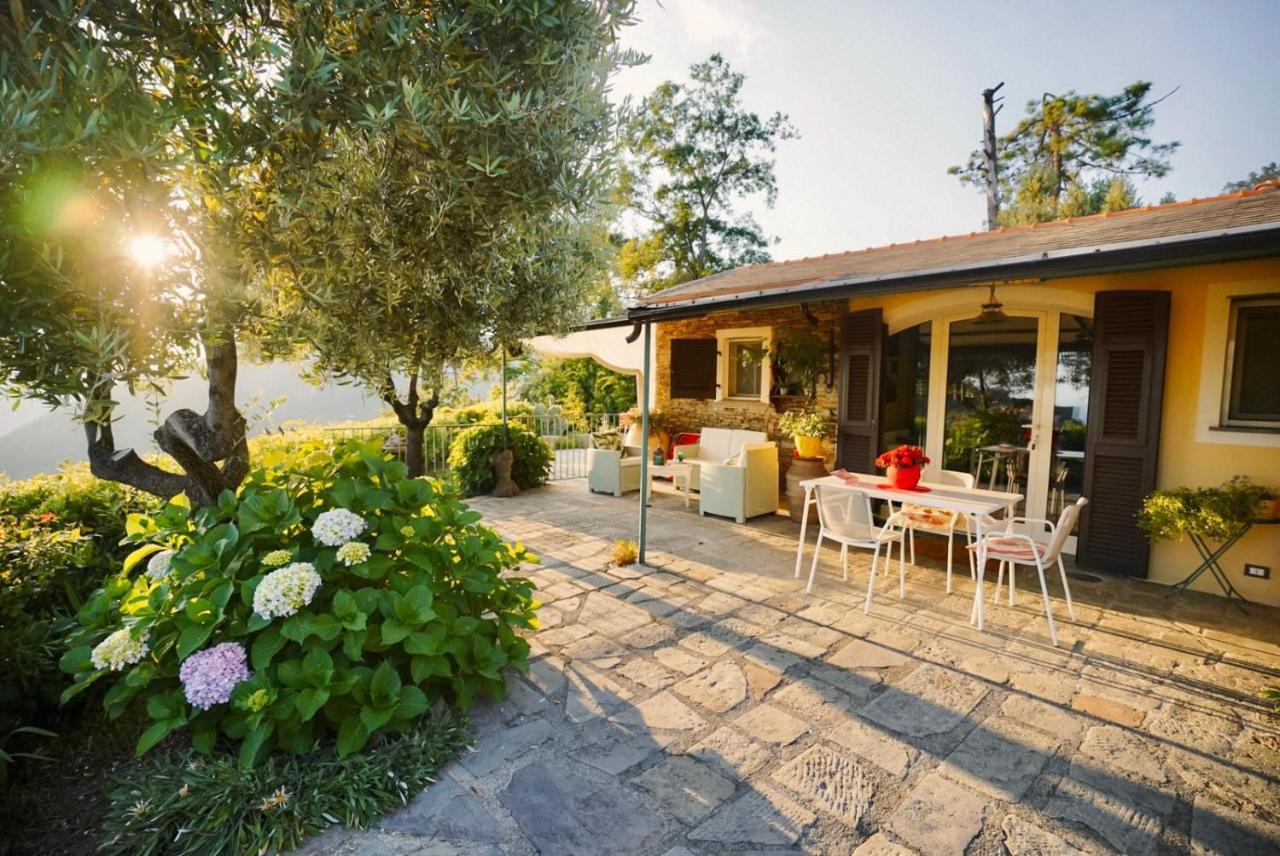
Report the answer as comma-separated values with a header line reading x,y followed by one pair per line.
x,y
844,516
937,520
1013,548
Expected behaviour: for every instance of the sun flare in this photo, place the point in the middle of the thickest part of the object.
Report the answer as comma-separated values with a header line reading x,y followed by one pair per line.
x,y
148,250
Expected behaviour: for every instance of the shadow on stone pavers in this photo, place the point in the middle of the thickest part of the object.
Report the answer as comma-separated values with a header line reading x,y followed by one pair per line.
x,y
1089,794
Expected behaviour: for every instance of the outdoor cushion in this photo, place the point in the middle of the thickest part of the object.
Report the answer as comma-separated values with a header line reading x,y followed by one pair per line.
x,y
1009,547
923,515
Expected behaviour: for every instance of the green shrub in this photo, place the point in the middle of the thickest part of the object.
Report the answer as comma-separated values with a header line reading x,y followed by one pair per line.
x,y
469,457
973,429
59,538
351,626
185,804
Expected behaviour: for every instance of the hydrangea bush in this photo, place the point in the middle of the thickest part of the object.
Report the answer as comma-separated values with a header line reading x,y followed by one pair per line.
x,y
332,596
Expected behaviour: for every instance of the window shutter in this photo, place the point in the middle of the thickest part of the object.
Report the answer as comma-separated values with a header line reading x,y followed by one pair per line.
x,y
861,342
1131,333
693,368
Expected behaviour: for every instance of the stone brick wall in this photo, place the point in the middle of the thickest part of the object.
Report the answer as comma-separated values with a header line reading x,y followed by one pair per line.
x,y
694,414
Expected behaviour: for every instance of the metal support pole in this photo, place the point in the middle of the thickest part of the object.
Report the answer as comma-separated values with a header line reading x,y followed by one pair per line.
x,y
644,449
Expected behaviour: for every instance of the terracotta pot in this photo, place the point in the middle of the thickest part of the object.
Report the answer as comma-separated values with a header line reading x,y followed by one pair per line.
x,y
808,447
903,478
800,470
1269,509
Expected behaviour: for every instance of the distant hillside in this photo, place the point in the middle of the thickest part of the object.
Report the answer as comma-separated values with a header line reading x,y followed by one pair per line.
x,y
34,440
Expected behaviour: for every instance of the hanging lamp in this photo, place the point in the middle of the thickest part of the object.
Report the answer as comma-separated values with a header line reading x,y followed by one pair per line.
x,y
992,311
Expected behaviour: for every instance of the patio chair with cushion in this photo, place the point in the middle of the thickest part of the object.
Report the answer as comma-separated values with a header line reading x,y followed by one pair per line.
x,y
1012,549
844,516
745,486
940,522
716,446
610,469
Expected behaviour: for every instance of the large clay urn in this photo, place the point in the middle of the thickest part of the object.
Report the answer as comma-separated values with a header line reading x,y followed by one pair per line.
x,y
801,469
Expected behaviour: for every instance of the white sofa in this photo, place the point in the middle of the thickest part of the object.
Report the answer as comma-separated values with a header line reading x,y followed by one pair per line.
x,y
716,446
612,471
747,487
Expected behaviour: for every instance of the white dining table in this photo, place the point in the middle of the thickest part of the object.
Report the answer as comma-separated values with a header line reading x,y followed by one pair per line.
x,y
971,502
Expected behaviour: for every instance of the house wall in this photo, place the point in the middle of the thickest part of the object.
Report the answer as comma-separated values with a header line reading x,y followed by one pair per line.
x,y
1191,452
695,414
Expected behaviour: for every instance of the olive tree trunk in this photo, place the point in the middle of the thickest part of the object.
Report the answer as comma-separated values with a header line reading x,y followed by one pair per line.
x,y
415,415
209,447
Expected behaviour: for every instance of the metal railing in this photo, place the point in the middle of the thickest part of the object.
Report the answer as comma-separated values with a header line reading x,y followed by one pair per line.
x,y
569,438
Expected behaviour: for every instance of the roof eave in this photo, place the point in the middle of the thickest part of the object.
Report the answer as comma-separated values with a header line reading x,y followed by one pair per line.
x,y
1244,242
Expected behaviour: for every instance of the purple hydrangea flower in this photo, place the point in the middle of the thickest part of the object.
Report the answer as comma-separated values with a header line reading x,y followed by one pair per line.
x,y
209,676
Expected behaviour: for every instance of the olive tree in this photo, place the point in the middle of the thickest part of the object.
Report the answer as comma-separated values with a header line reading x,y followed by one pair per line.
x,y
451,208
128,134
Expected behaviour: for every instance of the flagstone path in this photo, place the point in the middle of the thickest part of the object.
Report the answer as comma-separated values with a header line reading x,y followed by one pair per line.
x,y
706,705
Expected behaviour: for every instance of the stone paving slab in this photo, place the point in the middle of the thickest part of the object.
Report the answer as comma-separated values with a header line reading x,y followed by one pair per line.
x,y
931,700
762,816
939,817
689,790
830,779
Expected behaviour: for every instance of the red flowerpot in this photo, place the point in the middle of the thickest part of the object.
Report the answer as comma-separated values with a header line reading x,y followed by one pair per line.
x,y
903,478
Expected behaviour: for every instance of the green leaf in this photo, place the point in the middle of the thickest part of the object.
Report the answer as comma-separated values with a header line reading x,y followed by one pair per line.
x,y
253,743
352,735
131,561
344,605
265,646
317,667
376,717
326,627
309,702
200,610
413,703
429,641
394,631
384,686
353,644
77,660
157,732
203,739
423,668
191,638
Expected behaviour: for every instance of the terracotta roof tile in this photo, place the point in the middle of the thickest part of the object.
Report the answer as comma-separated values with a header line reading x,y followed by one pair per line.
x,y
1259,206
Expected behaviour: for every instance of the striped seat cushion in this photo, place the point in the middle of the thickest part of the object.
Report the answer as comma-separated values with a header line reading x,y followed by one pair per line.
x,y
1009,547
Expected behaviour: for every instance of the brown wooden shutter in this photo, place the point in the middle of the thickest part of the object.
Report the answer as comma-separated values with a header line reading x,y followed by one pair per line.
x,y
1131,334
858,431
693,368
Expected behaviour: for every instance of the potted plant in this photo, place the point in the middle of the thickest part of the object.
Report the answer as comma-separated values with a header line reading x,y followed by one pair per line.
x,y
902,466
1212,513
807,428
659,428
799,356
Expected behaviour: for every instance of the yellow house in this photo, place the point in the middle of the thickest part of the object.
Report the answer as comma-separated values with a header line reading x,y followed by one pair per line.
x,y
1102,356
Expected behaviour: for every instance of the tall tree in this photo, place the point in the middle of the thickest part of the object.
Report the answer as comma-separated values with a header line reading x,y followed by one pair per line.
x,y
1269,172
452,208
128,134
1074,155
693,154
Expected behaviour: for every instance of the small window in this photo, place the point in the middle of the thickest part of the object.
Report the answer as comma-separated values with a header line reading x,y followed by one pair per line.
x,y
1253,352
746,363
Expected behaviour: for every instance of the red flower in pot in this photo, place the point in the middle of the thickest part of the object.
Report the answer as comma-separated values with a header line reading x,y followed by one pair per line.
x,y
902,465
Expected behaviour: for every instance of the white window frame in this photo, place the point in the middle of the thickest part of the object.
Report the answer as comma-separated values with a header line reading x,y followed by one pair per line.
x,y
1228,382
725,337
1210,428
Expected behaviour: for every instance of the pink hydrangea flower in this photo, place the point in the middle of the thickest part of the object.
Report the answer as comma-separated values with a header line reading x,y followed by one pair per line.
x,y
209,676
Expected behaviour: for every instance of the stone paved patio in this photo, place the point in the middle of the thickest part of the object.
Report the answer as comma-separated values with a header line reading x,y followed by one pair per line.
x,y
706,705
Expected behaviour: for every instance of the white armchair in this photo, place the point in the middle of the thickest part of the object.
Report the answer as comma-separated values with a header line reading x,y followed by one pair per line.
x,y
746,488
612,471
716,446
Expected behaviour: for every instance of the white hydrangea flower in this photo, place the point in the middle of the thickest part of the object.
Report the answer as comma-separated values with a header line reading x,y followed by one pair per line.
x,y
276,558
353,553
158,567
283,592
337,526
119,650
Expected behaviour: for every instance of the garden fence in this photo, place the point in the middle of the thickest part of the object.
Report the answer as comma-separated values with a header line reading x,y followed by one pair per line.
x,y
568,436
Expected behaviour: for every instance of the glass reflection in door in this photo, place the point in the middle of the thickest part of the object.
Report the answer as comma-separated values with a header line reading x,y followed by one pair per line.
x,y
990,397
1070,413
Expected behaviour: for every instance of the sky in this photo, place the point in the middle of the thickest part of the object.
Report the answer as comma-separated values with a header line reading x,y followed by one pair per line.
x,y
887,95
